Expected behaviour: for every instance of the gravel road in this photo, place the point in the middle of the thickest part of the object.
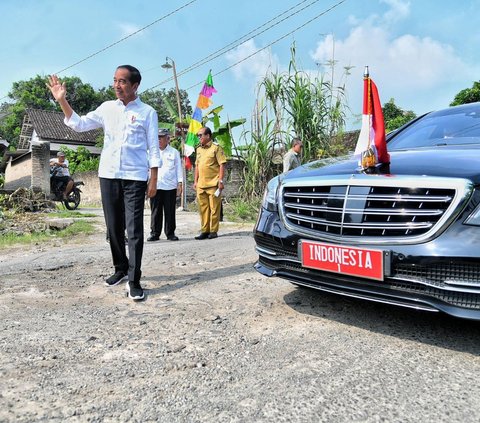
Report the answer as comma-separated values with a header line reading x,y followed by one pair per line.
x,y
216,342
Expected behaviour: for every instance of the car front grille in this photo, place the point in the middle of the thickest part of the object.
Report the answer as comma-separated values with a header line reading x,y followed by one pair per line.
x,y
276,245
376,208
458,299
461,276
470,300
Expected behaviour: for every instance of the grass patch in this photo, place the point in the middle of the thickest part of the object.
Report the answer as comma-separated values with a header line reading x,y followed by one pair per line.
x,y
7,240
238,210
70,213
36,234
76,228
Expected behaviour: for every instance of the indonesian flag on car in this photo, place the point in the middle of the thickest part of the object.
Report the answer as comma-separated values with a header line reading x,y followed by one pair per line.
x,y
371,144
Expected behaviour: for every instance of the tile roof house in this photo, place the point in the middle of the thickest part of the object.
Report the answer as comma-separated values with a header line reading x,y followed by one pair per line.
x,y
46,125
42,135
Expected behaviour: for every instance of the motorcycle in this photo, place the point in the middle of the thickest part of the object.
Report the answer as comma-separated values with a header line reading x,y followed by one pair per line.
x,y
56,190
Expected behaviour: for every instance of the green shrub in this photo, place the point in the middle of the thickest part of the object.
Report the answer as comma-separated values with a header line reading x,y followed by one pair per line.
x,y
80,160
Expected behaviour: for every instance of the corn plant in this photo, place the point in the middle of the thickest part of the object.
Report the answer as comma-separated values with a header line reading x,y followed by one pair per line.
x,y
258,154
315,109
307,106
273,86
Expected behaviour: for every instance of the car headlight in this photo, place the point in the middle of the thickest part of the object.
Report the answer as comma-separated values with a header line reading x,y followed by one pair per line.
x,y
474,218
270,196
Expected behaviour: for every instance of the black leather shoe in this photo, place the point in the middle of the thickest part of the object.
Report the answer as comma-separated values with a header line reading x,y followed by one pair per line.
x,y
203,235
212,235
173,238
153,238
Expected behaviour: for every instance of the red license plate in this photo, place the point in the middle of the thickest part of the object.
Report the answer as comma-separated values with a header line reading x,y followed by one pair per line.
x,y
342,259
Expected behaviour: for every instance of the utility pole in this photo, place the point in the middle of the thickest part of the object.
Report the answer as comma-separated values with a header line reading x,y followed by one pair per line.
x,y
183,198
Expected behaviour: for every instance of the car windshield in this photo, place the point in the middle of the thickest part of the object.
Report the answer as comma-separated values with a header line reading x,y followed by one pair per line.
x,y
455,126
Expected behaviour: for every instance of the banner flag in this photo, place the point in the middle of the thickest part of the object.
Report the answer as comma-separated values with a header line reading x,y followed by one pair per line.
x,y
204,101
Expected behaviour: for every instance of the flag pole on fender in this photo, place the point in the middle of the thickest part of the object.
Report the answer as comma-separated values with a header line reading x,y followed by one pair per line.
x,y
371,145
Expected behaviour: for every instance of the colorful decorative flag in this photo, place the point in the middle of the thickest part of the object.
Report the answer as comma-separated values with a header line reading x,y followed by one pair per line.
x,y
203,102
371,144
188,163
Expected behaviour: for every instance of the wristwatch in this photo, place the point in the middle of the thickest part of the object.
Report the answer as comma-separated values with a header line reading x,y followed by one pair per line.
x,y
221,181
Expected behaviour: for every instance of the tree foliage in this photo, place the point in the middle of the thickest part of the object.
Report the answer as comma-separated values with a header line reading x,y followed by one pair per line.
x,y
165,103
34,93
222,133
395,117
468,95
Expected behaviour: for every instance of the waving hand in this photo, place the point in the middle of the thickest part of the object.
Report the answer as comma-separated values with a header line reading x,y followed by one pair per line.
x,y
59,92
58,89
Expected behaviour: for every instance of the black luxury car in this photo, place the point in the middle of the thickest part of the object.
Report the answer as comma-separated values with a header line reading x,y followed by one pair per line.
x,y
406,233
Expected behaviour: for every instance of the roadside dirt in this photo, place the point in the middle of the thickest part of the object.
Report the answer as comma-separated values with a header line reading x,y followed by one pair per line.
x,y
215,342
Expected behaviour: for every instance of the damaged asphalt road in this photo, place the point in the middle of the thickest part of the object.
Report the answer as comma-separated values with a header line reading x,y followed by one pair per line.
x,y
216,342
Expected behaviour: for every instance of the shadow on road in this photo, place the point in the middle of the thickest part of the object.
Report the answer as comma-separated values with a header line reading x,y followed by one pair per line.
x,y
179,281
436,329
236,234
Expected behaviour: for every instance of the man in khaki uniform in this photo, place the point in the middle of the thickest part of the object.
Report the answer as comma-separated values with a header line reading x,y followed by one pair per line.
x,y
209,171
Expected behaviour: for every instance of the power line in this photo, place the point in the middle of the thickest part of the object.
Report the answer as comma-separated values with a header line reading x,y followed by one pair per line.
x,y
273,42
122,39
128,36
226,49
237,42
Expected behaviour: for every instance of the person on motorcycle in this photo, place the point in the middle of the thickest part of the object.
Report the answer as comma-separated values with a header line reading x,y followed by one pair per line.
x,y
61,175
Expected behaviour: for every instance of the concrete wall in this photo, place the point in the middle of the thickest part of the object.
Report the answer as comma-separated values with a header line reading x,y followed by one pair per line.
x,y
233,179
40,179
30,170
18,172
91,189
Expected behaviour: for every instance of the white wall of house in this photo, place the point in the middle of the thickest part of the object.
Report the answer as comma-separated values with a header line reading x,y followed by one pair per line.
x,y
55,146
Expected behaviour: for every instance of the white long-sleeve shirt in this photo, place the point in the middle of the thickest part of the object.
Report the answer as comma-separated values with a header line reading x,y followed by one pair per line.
x,y
130,145
170,173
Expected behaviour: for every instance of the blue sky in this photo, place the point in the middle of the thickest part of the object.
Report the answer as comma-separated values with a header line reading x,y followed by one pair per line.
x,y
420,52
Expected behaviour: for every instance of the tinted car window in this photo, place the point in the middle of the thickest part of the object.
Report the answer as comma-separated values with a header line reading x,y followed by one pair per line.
x,y
447,127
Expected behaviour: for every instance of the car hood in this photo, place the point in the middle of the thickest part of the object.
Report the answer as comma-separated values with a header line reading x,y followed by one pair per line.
x,y
454,162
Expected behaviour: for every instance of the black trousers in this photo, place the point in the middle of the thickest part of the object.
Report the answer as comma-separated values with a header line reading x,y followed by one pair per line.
x,y
123,203
164,202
